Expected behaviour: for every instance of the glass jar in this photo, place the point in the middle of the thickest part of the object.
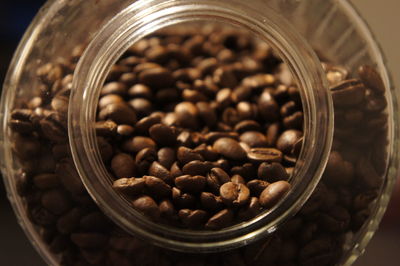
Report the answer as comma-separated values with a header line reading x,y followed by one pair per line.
x,y
60,189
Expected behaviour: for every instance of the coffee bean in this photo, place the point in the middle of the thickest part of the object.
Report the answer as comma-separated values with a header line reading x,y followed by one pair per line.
x,y
250,210
56,201
274,193
210,202
220,219
123,165
206,113
144,158
120,113
141,106
182,200
257,186
197,168
95,222
138,143
157,186
211,137
268,107
238,179
234,194
348,92
144,124
46,181
186,113
69,222
265,155
254,139
167,209
247,125
191,184
163,135
294,121
229,148
69,177
286,141
193,218
156,77
186,155
216,178
371,78
157,170
129,186
117,88
272,172
147,206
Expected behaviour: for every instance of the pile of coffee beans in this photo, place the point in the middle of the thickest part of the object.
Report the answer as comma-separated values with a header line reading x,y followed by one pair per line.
x,y
200,130
200,138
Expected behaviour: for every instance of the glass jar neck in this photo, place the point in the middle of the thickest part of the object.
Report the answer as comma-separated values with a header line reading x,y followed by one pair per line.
x,y
145,17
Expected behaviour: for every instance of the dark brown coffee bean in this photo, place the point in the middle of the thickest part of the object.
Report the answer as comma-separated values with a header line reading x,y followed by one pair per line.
x,y
272,134
246,110
347,93
254,139
147,206
106,128
117,88
186,155
336,220
157,170
138,143
216,178
367,174
229,148
294,121
182,200
371,78
95,221
211,137
54,127
41,216
191,184
210,202
257,186
141,106
145,158
250,210
193,218
89,240
167,209
234,194
163,134
140,91
129,186
120,113
220,219
186,113
125,130
157,187
247,125
123,165
273,193
144,124
109,99
268,155
259,81
56,201
69,177
206,113
105,149
197,168
46,181
207,152
69,222
156,77
272,172
288,138
268,107
166,157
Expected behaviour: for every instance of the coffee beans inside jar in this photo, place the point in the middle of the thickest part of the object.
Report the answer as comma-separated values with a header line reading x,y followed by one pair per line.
x,y
200,131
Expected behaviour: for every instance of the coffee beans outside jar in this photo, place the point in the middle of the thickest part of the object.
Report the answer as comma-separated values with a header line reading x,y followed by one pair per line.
x,y
200,133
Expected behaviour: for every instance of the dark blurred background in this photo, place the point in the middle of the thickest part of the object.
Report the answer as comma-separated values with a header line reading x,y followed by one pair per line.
x,y
384,249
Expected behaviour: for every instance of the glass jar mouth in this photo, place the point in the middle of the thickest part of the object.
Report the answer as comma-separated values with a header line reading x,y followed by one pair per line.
x,y
142,18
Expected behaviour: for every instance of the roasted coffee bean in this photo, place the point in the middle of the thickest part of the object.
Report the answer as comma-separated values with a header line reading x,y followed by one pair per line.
x,y
207,152
191,184
114,88
141,106
229,148
54,127
206,113
89,240
157,186
69,177
247,170
238,179
250,210
216,178
211,137
166,157
286,141
272,134
186,113
220,219
348,93
69,222
274,193
157,170
197,168
129,186
144,124
123,165
254,139
147,206
193,218
163,134
182,200
46,181
371,78
247,125
140,91
156,77
56,201
268,107
234,194
144,158
257,186
210,202
265,155
139,143
95,222
186,155
272,172
167,209
106,128
294,121
120,113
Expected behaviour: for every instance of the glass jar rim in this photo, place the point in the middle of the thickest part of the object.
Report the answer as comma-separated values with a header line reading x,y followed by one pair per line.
x,y
142,18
